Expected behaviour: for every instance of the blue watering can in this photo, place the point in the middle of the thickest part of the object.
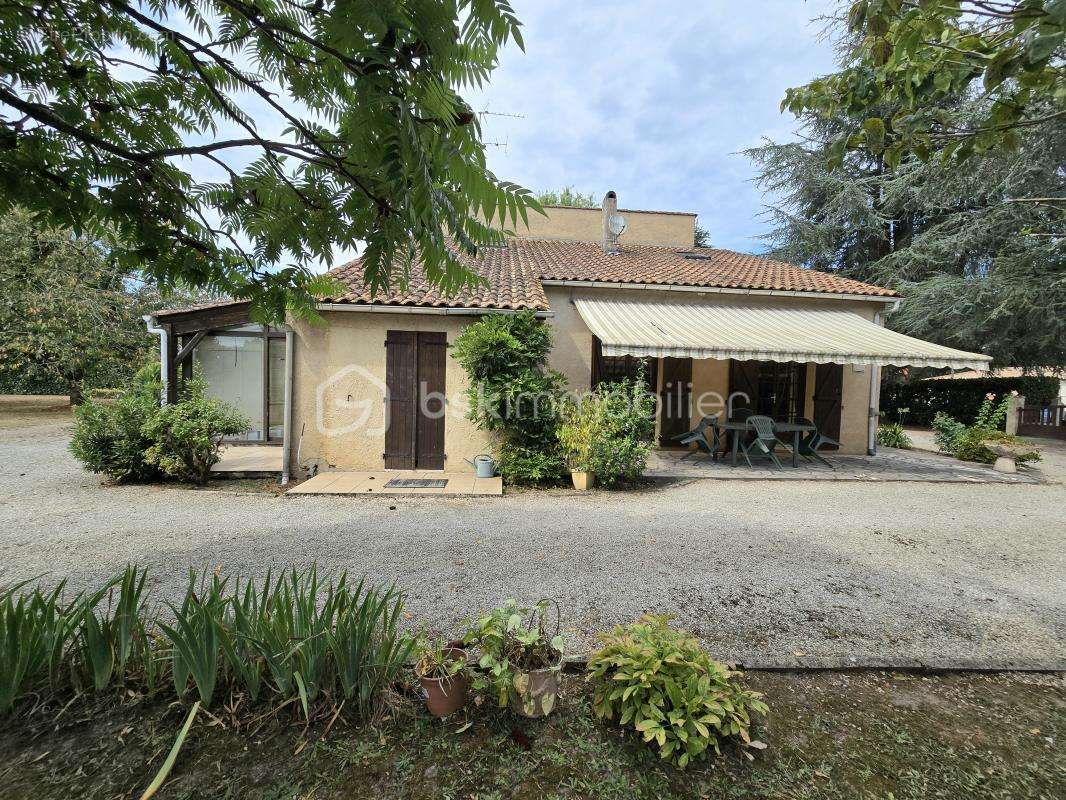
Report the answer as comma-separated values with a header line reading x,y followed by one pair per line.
x,y
484,466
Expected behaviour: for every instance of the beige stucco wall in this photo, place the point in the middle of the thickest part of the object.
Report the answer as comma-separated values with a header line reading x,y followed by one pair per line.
x,y
572,353
586,225
339,379
339,384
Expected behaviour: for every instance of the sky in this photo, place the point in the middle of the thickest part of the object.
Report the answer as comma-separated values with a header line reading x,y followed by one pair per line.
x,y
654,99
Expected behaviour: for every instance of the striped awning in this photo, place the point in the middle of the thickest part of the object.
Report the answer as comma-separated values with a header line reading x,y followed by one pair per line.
x,y
759,333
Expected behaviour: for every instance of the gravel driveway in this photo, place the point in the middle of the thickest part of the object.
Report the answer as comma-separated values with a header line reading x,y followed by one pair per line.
x,y
768,574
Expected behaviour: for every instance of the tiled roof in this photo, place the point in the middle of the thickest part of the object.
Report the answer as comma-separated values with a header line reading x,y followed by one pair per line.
x,y
509,284
515,271
700,266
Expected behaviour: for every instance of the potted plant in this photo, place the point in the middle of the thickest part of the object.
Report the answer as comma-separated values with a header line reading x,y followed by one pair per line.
x,y
1008,451
577,432
440,671
520,662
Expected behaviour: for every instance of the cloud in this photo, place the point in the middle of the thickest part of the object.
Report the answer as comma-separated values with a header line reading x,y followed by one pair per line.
x,y
653,98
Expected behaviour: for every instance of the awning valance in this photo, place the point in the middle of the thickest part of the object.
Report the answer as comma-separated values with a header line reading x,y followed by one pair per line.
x,y
759,333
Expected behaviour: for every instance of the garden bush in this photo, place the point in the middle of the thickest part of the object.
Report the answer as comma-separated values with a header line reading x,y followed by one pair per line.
x,y
966,443
960,399
893,435
187,436
513,394
609,431
134,439
660,682
109,437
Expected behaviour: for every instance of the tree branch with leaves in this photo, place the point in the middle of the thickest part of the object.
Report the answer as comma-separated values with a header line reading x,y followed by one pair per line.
x,y
916,58
235,145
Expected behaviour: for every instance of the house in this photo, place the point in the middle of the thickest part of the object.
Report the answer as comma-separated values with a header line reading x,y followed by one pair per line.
x,y
624,291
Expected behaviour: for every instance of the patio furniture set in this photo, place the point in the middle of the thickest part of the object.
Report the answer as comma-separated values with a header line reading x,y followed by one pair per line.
x,y
756,436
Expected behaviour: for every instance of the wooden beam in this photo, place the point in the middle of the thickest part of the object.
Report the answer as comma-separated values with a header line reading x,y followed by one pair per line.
x,y
187,348
207,318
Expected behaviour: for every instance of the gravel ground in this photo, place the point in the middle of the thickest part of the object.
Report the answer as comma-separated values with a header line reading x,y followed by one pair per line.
x,y
768,574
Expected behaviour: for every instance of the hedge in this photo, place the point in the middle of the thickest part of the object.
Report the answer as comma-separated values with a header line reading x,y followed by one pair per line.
x,y
959,398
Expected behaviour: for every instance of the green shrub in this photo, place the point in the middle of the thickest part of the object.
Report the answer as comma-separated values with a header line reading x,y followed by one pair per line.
x,y
947,432
893,435
966,443
660,682
187,436
513,394
626,428
531,466
109,438
970,445
960,399
609,431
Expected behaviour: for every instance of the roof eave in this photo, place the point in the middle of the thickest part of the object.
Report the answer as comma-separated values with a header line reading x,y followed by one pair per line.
x,y
892,300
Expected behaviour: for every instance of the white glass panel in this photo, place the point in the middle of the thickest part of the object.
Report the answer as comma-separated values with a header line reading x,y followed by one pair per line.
x,y
233,369
276,392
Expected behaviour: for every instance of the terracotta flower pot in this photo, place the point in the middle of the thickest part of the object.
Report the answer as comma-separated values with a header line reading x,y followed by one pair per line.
x,y
446,695
536,691
583,480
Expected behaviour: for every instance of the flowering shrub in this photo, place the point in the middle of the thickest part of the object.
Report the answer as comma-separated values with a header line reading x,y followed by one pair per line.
x,y
967,443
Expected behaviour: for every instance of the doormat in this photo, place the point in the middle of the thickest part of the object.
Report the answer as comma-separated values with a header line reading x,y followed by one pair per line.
x,y
417,483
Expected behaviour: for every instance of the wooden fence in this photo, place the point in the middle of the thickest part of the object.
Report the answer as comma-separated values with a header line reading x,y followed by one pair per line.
x,y
1042,421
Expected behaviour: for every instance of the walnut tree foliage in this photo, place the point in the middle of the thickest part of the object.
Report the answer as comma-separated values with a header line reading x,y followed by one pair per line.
x,y
231,144
67,312
70,314
912,58
977,270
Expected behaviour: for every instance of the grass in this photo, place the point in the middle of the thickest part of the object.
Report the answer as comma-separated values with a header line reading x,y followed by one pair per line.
x,y
829,735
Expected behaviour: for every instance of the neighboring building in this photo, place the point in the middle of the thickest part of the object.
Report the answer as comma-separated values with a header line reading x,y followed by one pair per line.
x,y
712,323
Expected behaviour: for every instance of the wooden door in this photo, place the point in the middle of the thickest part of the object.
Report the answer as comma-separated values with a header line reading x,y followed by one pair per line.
x,y
414,379
828,386
674,398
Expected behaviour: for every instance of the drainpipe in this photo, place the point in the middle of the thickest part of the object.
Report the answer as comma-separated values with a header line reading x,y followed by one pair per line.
x,y
875,402
286,434
149,322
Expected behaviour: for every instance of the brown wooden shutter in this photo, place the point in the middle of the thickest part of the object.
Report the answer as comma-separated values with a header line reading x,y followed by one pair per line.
x,y
401,382
828,387
597,358
744,378
432,362
800,393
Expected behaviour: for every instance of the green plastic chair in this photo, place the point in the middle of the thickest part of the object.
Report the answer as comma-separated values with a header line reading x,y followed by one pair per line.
x,y
698,437
809,444
762,442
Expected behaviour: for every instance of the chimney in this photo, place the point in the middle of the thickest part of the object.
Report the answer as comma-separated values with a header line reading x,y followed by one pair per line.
x,y
614,225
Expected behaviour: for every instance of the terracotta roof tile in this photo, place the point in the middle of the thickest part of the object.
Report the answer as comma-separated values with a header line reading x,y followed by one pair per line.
x,y
509,284
514,273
